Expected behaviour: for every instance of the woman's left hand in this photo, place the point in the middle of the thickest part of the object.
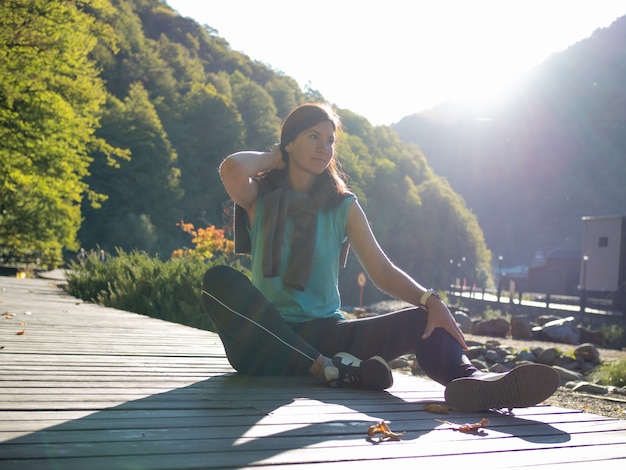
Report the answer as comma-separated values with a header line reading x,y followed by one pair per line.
x,y
439,316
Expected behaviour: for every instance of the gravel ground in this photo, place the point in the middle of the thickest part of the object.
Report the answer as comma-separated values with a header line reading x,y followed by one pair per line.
x,y
612,406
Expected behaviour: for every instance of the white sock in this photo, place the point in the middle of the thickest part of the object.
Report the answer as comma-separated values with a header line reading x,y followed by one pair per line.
x,y
327,363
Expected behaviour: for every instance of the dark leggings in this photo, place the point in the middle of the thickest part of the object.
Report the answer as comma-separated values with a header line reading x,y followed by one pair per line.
x,y
258,341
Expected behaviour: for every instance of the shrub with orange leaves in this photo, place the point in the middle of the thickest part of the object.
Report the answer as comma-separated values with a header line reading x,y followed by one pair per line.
x,y
208,242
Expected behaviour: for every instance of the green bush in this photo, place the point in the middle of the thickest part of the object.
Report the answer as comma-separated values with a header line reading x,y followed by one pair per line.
x,y
611,373
613,336
170,290
491,314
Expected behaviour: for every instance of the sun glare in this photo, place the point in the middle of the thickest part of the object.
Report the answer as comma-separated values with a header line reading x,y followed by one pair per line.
x,y
483,93
402,57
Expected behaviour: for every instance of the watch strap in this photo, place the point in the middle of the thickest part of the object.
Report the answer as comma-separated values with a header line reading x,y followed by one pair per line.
x,y
426,295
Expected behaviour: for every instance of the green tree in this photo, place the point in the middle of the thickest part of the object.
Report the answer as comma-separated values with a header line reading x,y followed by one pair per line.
x,y
205,130
143,193
257,111
286,94
451,240
50,100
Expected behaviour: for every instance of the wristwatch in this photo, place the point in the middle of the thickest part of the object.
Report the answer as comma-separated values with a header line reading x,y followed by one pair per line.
x,y
426,295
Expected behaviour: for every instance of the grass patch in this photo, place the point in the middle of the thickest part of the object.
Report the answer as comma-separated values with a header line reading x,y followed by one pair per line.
x,y
494,314
611,373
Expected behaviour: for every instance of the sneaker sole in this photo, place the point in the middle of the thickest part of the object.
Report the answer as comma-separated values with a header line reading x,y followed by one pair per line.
x,y
524,386
376,374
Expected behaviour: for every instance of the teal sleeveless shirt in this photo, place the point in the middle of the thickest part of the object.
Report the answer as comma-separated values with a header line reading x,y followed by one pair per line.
x,y
320,299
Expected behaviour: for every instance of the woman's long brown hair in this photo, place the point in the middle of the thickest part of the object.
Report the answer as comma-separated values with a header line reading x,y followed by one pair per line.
x,y
333,179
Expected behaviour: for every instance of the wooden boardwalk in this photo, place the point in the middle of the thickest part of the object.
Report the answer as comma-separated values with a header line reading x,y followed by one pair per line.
x,y
88,387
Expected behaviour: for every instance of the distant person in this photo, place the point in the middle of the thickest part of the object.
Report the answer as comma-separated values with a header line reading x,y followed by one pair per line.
x,y
82,256
296,216
103,256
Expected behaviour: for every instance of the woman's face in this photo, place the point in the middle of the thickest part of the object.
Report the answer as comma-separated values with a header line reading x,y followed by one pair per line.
x,y
313,149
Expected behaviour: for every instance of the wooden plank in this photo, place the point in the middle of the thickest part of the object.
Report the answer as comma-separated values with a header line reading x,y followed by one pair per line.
x,y
216,453
88,387
227,423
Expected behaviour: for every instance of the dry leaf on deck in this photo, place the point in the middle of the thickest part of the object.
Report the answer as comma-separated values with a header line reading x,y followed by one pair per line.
x,y
435,408
387,433
475,428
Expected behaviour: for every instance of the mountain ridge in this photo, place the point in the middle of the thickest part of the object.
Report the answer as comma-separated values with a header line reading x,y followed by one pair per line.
x,y
551,153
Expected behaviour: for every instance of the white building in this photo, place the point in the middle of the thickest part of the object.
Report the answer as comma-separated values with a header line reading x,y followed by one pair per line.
x,y
603,265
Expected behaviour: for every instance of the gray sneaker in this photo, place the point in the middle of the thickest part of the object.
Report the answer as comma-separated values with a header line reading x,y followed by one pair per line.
x,y
349,371
523,386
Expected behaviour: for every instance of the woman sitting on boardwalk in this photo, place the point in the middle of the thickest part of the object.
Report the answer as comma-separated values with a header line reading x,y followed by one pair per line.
x,y
296,216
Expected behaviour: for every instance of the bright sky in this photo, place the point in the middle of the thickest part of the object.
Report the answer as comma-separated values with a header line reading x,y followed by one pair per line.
x,y
387,59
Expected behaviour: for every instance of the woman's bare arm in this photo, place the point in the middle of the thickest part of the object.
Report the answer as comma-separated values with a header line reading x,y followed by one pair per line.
x,y
238,169
391,279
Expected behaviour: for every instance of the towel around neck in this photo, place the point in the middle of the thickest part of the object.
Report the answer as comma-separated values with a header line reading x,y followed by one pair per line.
x,y
281,203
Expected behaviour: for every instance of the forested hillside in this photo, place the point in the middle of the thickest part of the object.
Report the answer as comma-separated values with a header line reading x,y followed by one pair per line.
x,y
551,153
114,116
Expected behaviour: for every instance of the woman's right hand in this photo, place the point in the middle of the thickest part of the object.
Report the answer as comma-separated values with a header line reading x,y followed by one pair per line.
x,y
239,169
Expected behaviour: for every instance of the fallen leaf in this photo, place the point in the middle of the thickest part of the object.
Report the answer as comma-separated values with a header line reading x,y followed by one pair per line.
x,y
387,433
21,332
475,428
8,315
435,408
